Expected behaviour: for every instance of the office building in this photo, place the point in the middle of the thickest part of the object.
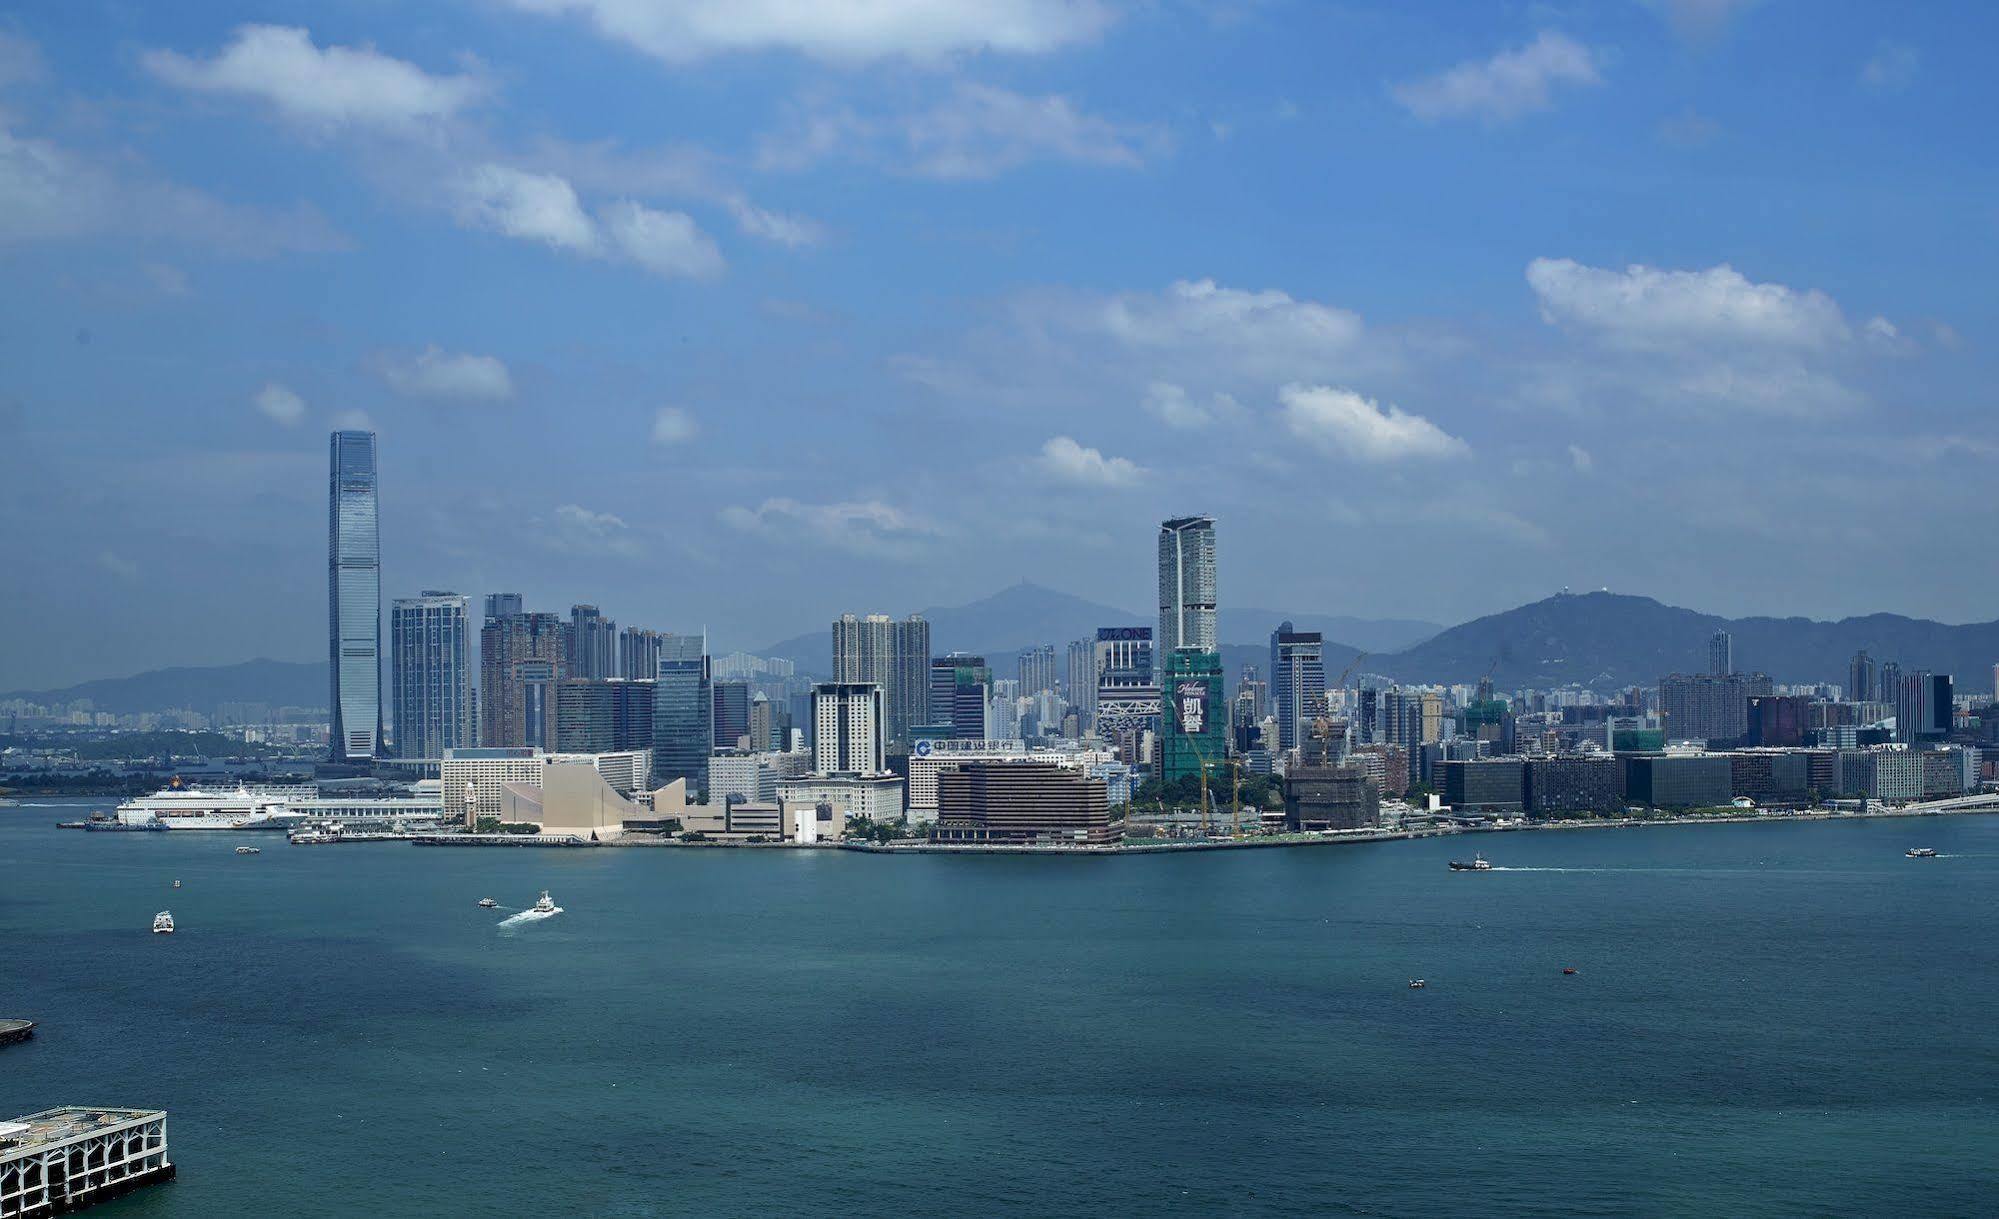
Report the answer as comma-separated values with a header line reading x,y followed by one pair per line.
x,y
521,659
894,655
1127,693
1720,654
1193,728
1187,585
732,714
601,715
682,647
1321,796
1297,682
1924,706
1037,669
764,722
1779,720
638,654
683,718
960,685
849,734
354,597
930,757
1572,784
1022,803
741,774
591,647
1678,780
1770,776
1487,785
876,797
431,668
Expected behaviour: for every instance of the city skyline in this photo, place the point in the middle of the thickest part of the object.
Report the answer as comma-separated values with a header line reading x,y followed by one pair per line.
x,y
1633,292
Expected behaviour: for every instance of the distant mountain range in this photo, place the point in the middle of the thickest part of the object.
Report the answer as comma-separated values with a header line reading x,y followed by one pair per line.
x,y
1595,639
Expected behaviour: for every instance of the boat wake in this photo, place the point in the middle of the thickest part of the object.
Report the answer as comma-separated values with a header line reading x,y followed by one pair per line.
x,y
530,915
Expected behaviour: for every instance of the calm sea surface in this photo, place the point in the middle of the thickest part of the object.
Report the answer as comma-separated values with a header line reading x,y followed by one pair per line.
x,y
1767,1020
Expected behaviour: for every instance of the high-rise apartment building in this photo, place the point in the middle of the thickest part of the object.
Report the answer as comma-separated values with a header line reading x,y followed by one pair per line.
x,y
1860,679
683,724
1704,707
431,674
849,734
1187,585
894,655
960,684
502,605
1721,654
354,597
592,646
1037,669
638,654
521,659
1082,684
1297,681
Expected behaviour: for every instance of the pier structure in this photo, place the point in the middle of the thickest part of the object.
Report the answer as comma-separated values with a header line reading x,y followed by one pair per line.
x,y
62,1160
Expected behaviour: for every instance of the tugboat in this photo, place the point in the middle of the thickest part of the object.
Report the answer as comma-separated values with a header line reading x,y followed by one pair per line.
x,y
249,850
1477,864
546,904
163,923
1922,852
487,903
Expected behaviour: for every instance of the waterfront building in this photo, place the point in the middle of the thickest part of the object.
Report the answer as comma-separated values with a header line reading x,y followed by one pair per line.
x,y
1193,729
474,783
1573,783
740,821
876,797
63,1160
1037,669
1703,707
1187,585
429,648
741,774
520,663
354,597
1720,654
1023,803
960,685
1770,776
927,758
732,714
1486,785
1678,780
1297,682
591,647
683,718
849,731
1320,796
894,655
595,715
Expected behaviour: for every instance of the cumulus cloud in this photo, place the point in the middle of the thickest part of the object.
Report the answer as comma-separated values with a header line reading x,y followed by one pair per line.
x,y
1646,307
665,243
672,425
1067,461
1178,409
280,404
530,206
864,527
977,132
791,231
682,31
1341,422
1266,331
1510,84
436,373
1893,66
579,530
326,88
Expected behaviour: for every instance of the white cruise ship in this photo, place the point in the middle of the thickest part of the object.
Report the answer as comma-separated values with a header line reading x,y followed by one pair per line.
x,y
194,808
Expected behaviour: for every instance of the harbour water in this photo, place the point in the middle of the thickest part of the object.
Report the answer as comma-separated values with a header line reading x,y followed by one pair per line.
x,y
1766,1020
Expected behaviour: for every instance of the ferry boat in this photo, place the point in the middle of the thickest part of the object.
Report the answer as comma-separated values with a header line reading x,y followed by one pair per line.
x,y
487,903
194,808
1922,852
163,923
546,904
1477,864
249,850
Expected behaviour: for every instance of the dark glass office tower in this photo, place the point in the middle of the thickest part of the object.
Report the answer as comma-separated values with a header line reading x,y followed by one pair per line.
x,y
354,598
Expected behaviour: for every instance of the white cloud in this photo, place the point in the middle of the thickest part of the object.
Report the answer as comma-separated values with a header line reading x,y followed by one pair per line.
x,y
1893,66
975,133
665,243
1067,461
672,425
1342,422
1267,333
580,530
1643,307
855,32
530,206
1178,409
51,193
791,231
436,373
864,527
1580,458
280,404
1505,87
322,88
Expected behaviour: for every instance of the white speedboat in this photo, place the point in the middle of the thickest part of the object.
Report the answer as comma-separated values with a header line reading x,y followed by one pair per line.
x,y
163,923
1922,852
249,850
546,904
487,903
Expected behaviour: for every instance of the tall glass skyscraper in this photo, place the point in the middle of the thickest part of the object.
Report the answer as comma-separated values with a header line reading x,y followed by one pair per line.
x,y
1297,682
683,718
354,597
430,664
1186,585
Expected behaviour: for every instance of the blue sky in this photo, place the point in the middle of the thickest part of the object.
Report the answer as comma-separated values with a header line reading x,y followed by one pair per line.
x,y
716,315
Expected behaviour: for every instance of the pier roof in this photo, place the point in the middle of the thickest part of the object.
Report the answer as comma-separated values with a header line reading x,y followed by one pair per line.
x,y
67,1122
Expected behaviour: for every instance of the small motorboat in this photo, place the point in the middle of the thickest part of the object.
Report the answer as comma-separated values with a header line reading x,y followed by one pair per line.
x,y
487,903
163,923
1477,864
176,884
1568,971
1922,852
249,850
1416,984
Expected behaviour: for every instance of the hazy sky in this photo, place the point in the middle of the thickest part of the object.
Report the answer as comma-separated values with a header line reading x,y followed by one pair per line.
x,y
741,313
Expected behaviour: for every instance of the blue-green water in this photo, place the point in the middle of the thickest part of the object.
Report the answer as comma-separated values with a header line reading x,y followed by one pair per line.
x,y
1768,1019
